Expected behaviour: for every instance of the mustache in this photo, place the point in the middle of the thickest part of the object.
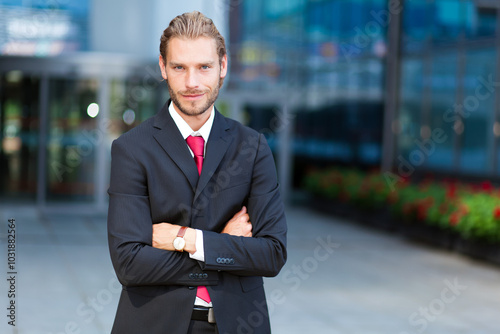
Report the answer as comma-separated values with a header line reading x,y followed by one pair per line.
x,y
192,92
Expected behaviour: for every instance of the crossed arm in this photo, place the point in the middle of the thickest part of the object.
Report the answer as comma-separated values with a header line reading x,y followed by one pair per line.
x,y
137,247
165,233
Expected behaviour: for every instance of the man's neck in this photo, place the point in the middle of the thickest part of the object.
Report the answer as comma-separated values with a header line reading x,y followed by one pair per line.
x,y
195,122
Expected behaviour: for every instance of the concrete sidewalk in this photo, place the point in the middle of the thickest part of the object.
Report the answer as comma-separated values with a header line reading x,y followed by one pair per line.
x,y
339,278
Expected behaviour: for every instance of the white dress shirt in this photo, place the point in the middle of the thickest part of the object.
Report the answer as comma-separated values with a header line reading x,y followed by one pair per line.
x,y
204,132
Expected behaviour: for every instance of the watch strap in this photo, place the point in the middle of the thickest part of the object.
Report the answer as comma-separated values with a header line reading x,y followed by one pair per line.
x,y
181,232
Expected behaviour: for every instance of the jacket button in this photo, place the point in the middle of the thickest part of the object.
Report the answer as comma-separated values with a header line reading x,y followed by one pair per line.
x,y
205,275
191,276
231,261
190,287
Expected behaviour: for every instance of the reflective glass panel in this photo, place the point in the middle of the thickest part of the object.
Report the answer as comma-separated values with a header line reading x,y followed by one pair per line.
x,y
408,125
480,22
72,140
443,88
478,108
19,124
416,24
448,20
132,102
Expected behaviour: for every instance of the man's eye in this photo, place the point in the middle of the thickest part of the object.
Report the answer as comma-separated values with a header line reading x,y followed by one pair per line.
x,y
205,67
178,67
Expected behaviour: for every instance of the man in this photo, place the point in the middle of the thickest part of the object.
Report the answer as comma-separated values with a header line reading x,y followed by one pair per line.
x,y
195,216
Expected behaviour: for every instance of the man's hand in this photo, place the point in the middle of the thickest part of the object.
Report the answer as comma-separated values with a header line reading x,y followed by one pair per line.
x,y
239,225
165,233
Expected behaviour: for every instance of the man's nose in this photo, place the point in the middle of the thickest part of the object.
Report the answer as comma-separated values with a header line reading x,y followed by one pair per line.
x,y
191,79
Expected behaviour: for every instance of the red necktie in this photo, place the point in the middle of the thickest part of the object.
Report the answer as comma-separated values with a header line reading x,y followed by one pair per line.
x,y
197,145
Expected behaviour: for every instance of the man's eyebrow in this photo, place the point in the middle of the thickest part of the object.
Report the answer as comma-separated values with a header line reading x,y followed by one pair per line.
x,y
174,64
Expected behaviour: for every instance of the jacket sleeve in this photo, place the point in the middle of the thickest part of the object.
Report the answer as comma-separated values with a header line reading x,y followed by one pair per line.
x,y
130,232
263,254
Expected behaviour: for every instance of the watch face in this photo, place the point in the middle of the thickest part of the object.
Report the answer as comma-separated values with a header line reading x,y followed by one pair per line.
x,y
179,243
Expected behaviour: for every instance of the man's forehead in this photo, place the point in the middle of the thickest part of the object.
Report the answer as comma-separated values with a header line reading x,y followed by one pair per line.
x,y
201,46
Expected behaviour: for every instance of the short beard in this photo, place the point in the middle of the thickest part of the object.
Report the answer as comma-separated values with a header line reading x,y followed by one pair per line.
x,y
212,97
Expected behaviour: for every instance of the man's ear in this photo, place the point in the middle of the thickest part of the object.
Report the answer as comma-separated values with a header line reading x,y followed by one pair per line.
x,y
162,67
223,67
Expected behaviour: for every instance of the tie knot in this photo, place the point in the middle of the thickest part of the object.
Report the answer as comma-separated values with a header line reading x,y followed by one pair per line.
x,y
196,144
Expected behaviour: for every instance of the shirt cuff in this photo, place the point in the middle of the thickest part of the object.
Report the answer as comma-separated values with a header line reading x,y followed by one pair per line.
x,y
200,253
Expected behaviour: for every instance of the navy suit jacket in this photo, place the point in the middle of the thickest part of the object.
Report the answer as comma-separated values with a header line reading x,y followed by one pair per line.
x,y
154,179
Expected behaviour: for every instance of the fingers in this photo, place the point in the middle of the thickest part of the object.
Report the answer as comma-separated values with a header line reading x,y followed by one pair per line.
x,y
239,225
248,230
246,226
241,212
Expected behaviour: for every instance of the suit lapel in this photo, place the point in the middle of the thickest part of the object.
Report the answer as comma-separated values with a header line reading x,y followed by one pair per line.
x,y
217,145
169,137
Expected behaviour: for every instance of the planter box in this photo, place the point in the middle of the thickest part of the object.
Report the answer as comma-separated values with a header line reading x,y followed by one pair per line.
x,y
479,249
380,219
428,234
377,218
333,207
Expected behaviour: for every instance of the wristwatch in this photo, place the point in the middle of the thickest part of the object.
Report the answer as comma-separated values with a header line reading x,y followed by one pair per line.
x,y
179,242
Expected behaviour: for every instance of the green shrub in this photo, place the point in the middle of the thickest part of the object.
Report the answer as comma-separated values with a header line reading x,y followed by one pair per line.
x,y
472,210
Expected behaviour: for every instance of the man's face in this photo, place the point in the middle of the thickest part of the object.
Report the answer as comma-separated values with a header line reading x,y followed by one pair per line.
x,y
193,73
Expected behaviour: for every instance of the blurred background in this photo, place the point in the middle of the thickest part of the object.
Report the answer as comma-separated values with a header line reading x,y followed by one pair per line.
x,y
406,89
346,82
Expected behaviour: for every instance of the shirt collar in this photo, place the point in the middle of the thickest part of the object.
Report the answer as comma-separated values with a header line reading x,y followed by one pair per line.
x,y
186,130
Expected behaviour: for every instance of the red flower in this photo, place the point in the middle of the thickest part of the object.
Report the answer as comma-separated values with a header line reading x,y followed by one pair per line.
x,y
486,186
422,212
454,219
452,190
496,213
464,209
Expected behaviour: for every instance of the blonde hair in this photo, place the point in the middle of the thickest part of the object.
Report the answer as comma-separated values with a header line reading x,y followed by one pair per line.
x,y
191,26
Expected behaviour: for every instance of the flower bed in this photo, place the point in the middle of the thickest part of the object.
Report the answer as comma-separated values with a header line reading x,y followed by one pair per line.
x,y
446,213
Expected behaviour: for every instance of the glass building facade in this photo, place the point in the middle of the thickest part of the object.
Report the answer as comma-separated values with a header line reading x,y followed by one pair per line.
x,y
58,117
449,72
334,55
327,58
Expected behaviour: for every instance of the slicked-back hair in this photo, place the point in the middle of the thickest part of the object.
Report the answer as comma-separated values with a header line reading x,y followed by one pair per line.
x,y
191,26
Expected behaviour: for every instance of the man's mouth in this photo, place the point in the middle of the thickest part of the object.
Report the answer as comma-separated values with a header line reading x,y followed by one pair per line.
x,y
192,96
